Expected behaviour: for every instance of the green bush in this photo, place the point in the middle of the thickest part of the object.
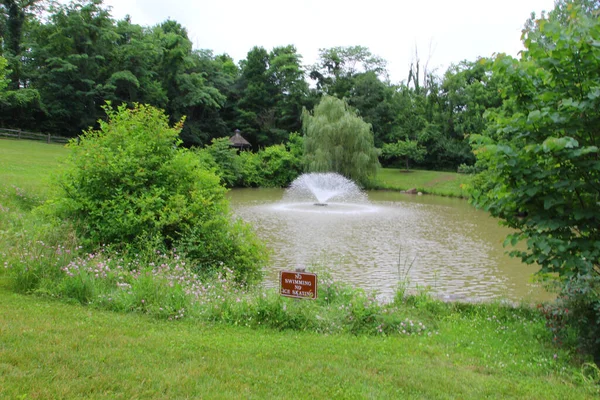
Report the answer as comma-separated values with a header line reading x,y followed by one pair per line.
x,y
250,170
129,185
574,318
469,169
237,246
279,167
223,160
273,166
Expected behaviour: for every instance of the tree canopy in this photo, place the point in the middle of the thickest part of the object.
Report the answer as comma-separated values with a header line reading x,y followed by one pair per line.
x,y
337,140
542,156
542,147
66,59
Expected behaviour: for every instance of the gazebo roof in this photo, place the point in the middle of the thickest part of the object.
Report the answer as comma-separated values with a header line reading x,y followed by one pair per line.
x,y
238,141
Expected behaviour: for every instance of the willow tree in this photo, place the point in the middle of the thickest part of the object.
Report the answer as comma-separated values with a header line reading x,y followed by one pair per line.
x,y
338,140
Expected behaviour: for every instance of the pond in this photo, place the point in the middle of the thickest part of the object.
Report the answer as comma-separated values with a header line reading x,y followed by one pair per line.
x,y
439,243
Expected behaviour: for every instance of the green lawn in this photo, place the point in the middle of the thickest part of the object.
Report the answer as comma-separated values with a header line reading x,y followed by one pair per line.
x,y
432,182
51,350
29,164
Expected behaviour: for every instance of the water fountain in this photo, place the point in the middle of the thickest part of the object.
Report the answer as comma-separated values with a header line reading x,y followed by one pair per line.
x,y
325,189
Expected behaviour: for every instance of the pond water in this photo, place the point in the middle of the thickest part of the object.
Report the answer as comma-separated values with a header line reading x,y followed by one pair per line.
x,y
440,243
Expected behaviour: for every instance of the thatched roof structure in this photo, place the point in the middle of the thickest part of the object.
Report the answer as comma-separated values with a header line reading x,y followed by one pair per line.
x,y
238,141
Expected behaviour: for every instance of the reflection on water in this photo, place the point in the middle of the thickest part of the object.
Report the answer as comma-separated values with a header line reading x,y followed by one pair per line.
x,y
457,250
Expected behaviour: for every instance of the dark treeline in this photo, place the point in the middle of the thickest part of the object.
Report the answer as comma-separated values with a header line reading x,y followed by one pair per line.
x,y
65,61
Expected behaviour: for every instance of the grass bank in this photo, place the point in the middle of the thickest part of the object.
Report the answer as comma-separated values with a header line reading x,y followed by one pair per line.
x,y
431,182
50,349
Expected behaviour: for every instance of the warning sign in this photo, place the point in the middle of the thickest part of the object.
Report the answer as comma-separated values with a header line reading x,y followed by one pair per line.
x,y
301,285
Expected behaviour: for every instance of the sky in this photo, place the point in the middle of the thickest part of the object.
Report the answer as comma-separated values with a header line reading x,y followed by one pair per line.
x,y
442,32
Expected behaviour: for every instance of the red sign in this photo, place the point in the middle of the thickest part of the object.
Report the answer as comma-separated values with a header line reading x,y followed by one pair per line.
x,y
301,285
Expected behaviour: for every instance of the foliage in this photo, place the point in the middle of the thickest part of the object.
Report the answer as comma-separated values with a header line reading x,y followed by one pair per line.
x,y
130,186
69,64
15,15
337,140
469,169
273,92
187,88
273,166
376,103
406,149
574,317
3,72
278,167
67,58
542,147
221,155
22,108
214,244
338,66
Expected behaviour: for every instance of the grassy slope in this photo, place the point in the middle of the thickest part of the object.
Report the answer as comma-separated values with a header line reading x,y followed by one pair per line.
x,y
28,164
50,349
54,350
433,182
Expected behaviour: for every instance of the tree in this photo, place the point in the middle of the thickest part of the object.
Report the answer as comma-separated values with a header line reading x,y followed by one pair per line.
x,y
374,101
15,14
542,153
406,149
257,97
3,71
337,140
133,60
70,61
335,71
287,74
20,106
467,90
184,82
272,92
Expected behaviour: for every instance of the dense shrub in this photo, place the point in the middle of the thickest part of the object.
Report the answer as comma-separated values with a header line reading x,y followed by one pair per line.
x,y
574,318
273,166
223,160
469,169
250,170
128,184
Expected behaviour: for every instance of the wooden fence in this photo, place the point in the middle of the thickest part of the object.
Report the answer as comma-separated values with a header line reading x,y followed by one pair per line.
x,y
19,134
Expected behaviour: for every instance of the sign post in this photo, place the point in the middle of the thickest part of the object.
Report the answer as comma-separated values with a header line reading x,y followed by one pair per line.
x,y
300,285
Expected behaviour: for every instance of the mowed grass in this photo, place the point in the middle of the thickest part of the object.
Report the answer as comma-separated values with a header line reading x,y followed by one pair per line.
x,y
28,165
431,182
52,350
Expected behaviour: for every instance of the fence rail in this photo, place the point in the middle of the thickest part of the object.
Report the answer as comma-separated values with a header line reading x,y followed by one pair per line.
x,y
19,134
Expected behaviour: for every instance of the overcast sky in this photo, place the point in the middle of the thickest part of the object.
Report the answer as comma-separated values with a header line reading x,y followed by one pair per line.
x,y
443,31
